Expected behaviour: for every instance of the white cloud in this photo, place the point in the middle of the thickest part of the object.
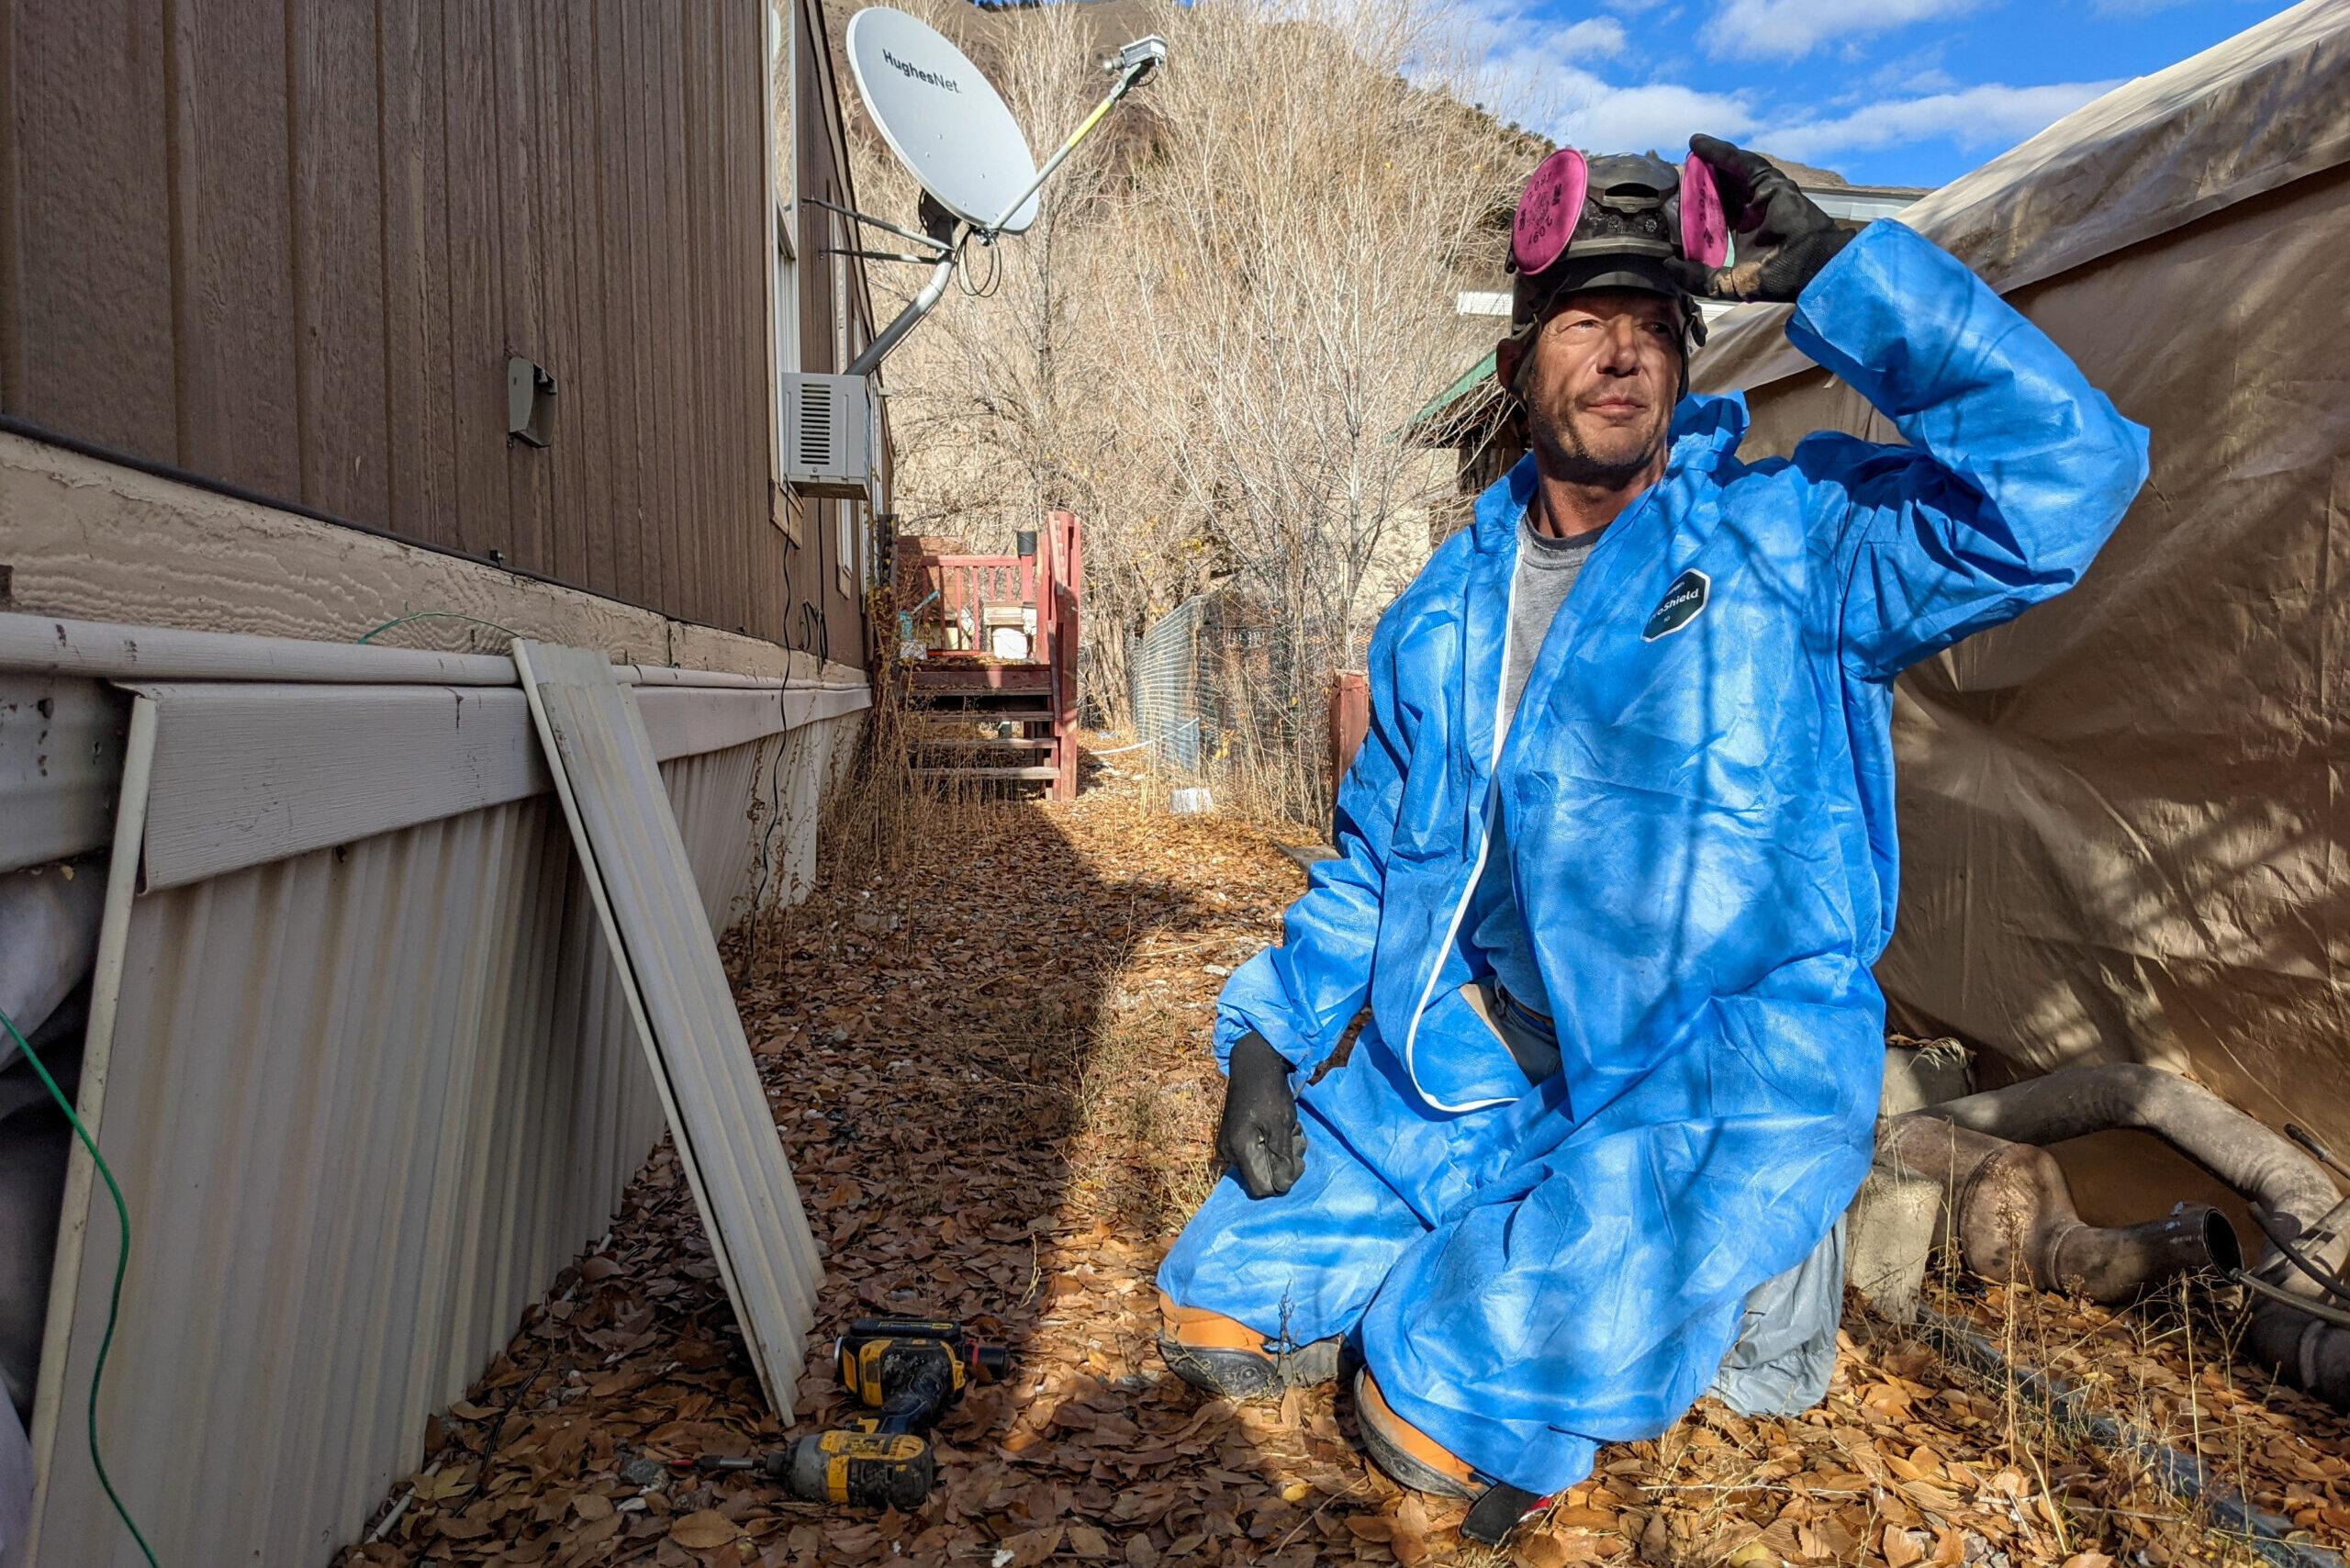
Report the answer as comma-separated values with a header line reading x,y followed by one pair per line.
x,y
1789,30
1540,74
1606,118
1595,36
1981,116
1536,71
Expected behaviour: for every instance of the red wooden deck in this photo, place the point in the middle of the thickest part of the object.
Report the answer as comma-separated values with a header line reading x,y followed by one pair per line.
x,y
997,638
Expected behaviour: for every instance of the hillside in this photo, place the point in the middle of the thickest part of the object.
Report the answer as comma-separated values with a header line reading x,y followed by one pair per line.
x,y
1103,25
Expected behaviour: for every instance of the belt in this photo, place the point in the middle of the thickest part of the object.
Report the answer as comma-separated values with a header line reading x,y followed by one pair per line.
x,y
1529,1036
1504,1003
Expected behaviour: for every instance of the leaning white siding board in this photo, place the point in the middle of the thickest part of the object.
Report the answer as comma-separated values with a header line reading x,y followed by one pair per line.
x,y
247,772
251,771
626,835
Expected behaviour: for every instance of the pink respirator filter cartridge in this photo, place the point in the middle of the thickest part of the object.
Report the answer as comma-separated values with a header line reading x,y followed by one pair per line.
x,y
1705,228
1547,212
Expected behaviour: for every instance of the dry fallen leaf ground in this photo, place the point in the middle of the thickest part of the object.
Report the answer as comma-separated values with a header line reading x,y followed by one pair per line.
x,y
990,1064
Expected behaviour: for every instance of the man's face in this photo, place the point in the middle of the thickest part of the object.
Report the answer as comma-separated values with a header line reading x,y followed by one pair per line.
x,y
1599,392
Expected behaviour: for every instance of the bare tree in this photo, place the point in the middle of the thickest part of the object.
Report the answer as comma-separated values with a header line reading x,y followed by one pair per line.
x,y
1213,340
1295,268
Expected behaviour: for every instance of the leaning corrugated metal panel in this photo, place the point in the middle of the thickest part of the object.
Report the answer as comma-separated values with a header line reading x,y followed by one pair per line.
x,y
364,1101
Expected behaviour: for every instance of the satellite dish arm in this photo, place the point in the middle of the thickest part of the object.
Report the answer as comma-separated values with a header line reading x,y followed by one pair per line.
x,y
923,305
1134,62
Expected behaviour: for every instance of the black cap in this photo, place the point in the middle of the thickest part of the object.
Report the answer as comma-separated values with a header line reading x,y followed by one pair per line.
x,y
1529,298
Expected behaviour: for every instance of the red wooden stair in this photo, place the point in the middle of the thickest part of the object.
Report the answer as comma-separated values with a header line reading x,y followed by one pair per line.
x,y
990,657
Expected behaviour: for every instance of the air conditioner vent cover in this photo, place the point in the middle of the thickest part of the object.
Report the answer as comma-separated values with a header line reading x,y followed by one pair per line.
x,y
825,448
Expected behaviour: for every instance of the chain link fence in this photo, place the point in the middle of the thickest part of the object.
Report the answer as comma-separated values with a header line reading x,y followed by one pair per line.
x,y
1230,691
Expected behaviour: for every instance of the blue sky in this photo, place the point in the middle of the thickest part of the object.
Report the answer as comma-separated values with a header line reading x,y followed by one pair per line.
x,y
1883,91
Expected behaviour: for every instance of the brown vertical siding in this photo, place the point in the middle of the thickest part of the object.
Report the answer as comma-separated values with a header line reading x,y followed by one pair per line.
x,y
291,248
420,393
476,372
638,99
233,206
697,171
671,520
515,108
616,290
562,206
90,237
338,232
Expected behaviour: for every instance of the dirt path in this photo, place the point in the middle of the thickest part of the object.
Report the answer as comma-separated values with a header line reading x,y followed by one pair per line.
x,y
990,1067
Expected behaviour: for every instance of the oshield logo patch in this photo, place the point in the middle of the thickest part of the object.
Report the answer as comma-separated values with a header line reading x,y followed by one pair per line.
x,y
1680,605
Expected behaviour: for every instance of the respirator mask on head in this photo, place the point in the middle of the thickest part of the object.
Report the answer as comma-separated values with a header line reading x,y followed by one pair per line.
x,y
1611,221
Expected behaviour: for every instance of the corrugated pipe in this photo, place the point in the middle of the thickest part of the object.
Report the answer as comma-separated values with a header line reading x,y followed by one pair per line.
x,y
2296,1197
2011,1213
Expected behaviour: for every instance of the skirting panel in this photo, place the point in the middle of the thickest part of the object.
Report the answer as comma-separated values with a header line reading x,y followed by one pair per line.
x,y
365,1101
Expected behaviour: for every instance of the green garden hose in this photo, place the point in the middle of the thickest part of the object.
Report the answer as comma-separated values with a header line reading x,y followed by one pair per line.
x,y
121,1266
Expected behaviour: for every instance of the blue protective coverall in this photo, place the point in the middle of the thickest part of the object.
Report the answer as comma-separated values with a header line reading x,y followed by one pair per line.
x,y
1698,792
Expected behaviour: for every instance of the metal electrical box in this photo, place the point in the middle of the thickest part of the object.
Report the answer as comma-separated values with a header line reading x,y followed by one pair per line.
x,y
826,435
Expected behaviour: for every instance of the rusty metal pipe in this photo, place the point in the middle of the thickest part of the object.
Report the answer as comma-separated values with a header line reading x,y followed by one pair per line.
x,y
2010,1209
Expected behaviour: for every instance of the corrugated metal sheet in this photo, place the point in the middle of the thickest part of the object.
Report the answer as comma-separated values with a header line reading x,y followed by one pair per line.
x,y
61,757
364,1102
633,857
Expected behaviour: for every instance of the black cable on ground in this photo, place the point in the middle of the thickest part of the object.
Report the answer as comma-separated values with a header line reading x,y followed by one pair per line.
x,y
2331,1285
2283,1297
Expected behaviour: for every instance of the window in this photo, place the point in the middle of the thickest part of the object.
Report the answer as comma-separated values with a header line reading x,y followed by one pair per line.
x,y
851,514
847,342
783,213
844,289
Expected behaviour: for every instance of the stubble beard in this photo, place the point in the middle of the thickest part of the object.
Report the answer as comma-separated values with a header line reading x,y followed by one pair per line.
x,y
1572,458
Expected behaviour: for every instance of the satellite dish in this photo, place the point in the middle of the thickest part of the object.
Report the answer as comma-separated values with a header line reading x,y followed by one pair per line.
x,y
942,119
947,124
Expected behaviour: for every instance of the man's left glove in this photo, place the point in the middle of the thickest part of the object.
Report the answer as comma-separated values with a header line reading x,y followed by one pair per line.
x,y
1783,237
1259,1136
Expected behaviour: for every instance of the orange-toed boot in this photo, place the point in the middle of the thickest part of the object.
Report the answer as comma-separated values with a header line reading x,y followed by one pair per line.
x,y
1222,1356
1414,1458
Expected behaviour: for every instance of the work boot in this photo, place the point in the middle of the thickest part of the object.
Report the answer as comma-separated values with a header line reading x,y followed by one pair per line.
x,y
1411,1458
1224,1357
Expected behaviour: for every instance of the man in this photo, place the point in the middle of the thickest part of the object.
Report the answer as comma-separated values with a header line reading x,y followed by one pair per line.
x,y
1618,851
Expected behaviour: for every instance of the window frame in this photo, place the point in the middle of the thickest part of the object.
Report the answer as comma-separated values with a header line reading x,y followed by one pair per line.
x,y
786,350
845,348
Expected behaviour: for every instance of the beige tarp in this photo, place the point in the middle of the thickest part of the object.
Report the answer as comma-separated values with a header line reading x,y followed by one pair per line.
x,y
2123,820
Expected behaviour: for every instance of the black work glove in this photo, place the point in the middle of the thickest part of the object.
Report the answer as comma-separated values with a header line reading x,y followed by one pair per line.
x,y
1783,237
1258,1137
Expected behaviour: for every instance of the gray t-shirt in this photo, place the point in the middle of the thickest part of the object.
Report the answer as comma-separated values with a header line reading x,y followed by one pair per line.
x,y
1546,569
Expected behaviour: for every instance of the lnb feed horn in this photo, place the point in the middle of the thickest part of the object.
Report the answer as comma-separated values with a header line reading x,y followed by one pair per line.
x,y
1143,56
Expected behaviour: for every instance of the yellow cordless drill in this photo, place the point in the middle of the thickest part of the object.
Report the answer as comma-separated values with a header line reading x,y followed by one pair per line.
x,y
909,1372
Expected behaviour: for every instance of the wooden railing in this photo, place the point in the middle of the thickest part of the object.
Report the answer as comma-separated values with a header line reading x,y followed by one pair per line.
x,y
953,596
